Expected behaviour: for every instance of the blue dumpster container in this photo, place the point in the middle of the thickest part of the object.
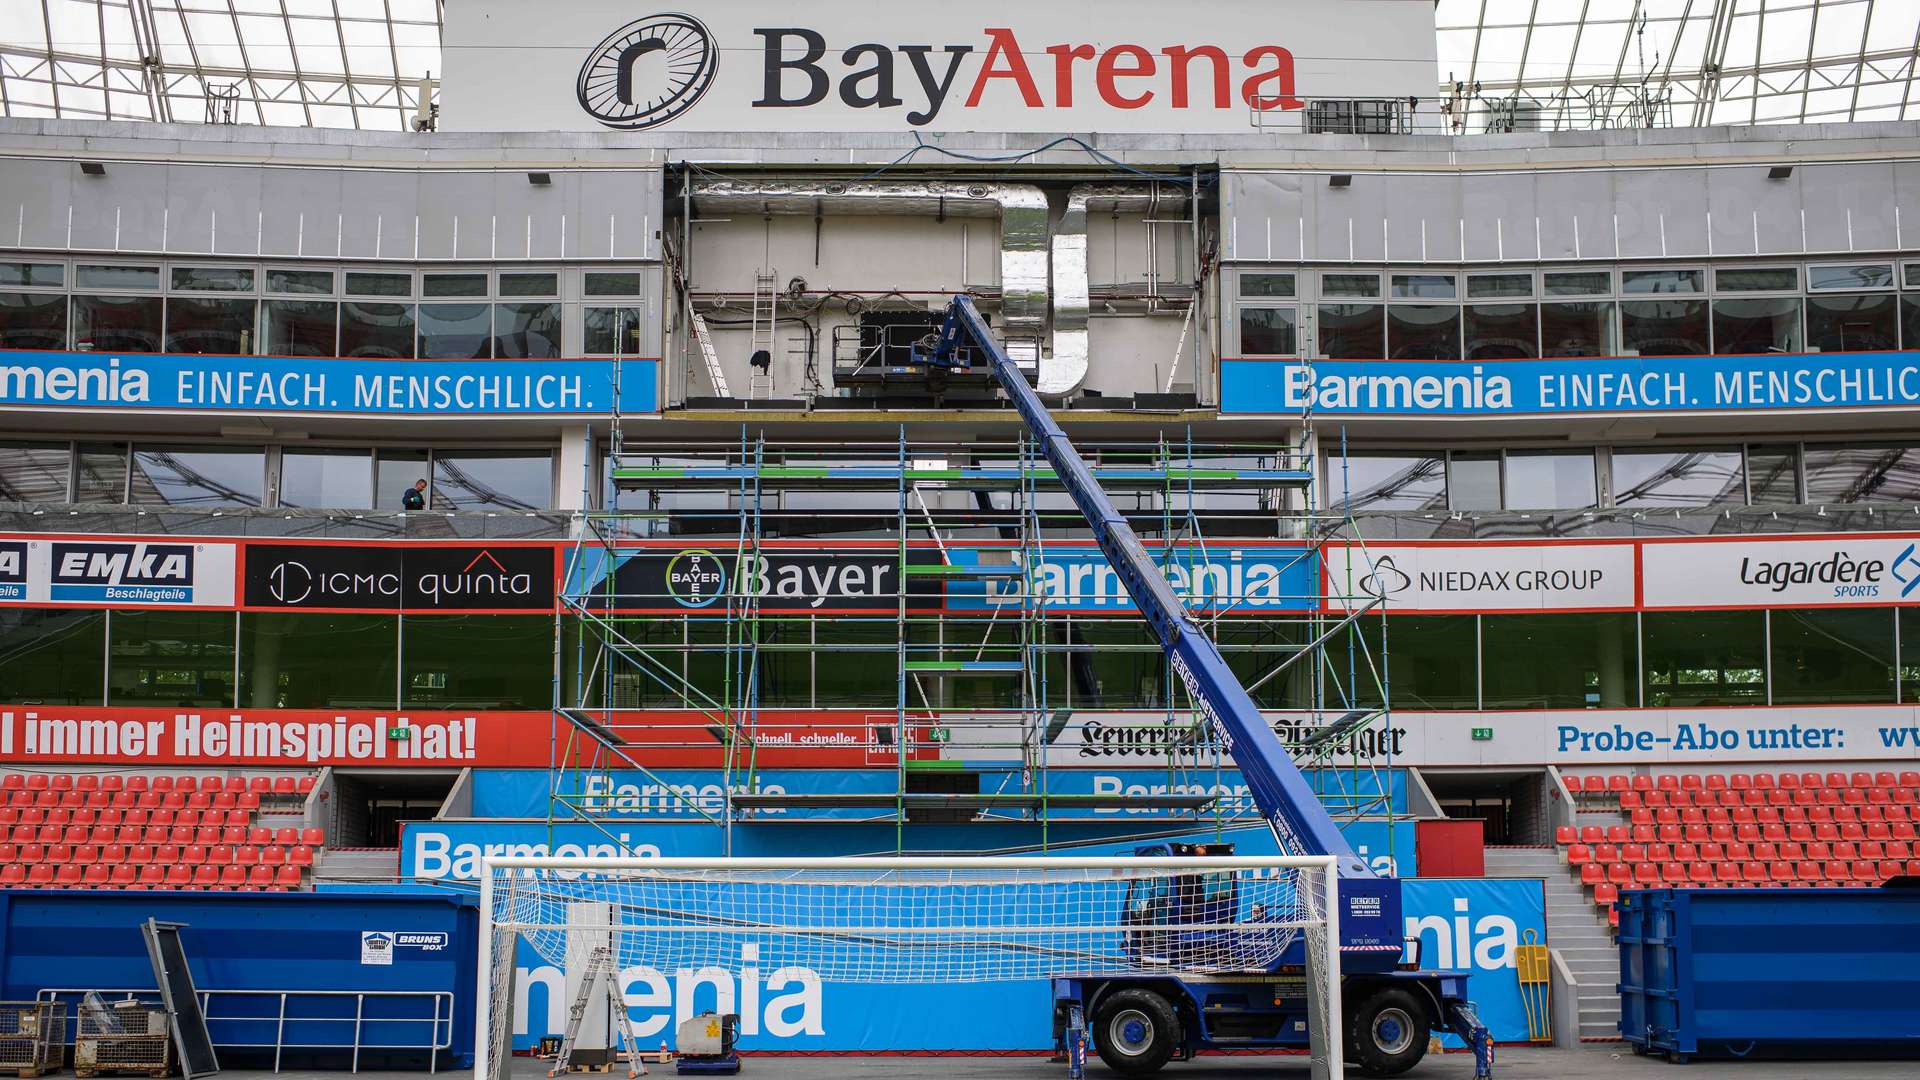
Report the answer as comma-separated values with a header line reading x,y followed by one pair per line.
x,y
1730,971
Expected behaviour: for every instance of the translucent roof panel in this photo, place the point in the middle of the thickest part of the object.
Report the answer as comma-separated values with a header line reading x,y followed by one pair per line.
x,y
1555,64
302,63
1504,64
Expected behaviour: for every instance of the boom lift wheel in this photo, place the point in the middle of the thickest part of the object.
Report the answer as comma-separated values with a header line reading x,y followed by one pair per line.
x,y
1387,1032
1136,1032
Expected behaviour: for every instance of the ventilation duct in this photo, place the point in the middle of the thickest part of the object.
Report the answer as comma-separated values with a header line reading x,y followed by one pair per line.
x,y
1064,371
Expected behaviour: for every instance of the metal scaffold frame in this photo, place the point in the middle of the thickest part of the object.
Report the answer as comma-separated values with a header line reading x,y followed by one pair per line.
x,y
989,686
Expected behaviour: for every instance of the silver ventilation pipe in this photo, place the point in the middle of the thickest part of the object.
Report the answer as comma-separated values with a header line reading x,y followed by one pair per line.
x,y
1064,371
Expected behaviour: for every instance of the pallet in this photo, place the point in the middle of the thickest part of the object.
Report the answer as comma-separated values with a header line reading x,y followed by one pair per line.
x,y
157,1074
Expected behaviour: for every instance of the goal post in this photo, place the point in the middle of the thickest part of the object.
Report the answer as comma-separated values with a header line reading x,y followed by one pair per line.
x,y
930,920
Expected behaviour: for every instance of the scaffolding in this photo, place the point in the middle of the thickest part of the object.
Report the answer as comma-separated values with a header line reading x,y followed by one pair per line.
x,y
964,577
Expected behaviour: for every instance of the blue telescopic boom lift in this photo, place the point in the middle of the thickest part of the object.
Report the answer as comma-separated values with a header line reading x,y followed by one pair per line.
x,y
1139,1023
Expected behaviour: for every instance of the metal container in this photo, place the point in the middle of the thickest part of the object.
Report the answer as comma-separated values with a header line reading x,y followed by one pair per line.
x,y
126,1036
1730,971
33,1037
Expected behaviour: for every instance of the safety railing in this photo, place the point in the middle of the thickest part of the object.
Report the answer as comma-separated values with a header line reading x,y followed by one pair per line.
x,y
286,1012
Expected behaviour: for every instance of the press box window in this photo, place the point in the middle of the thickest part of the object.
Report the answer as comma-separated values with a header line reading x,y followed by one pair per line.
x,y
213,279
1354,285
33,321
119,324
300,282
1757,279
209,325
526,330
198,476
1269,331
613,331
361,284
1850,276
525,284
33,275
376,331
1490,286
1423,287
116,277
454,285
1267,285
1578,283
300,327
612,283
1691,280
455,331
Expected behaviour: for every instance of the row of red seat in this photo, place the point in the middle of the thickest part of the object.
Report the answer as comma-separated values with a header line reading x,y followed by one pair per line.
x,y
1772,815
158,854
1671,782
160,834
130,800
1727,797
1775,831
126,876
111,782
1832,872
1763,851
60,815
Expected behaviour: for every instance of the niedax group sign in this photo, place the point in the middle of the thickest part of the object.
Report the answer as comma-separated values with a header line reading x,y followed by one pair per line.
x,y
850,65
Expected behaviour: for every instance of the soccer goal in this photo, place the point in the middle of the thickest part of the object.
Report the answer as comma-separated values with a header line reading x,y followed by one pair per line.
x,y
912,920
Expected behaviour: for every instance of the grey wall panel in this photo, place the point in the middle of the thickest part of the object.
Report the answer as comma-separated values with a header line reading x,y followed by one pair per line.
x,y
529,216
1423,218
1347,223
1753,215
1261,215
1499,211
1849,207
457,216
213,211
1662,213
125,210
1576,215
619,214
302,212
377,214
1906,203
34,197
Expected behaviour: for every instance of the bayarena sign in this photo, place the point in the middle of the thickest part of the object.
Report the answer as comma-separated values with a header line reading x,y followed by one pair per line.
x,y
841,65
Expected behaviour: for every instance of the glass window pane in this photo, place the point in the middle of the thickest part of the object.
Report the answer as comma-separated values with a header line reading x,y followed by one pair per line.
x,y
101,473
33,321
455,331
453,285
170,658
526,330
1501,332
613,283
300,327
203,324
1691,477
529,284
1742,327
44,275
1876,474
1910,320
603,326
1865,322
1352,331
330,479
1913,275
379,331
1830,656
1664,327
1573,661
1856,276
865,670
1909,655
311,660
118,324
398,472
116,277
1473,482
1704,658
34,473
1430,660
1578,283
1486,286
1127,671
198,476
1578,329
492,480
1386,482
365,284
1360,285
1268,331
1663,281
1773,475
300,281
1423,286
1252,284
1551,480
52,657
213,278
1757,279
477,662
1423,332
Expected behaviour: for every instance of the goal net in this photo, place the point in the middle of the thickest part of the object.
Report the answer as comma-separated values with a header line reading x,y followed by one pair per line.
x,y
905,921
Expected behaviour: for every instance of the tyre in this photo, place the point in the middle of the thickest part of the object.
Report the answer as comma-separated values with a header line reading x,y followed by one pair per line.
x,y
1387,1031
1135,1032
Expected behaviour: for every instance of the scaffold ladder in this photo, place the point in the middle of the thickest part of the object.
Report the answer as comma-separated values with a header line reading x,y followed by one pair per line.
x,y
599,973
705,338
760,354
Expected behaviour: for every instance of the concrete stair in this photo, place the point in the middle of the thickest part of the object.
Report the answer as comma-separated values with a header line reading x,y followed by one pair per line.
x,y
1576,930
361,865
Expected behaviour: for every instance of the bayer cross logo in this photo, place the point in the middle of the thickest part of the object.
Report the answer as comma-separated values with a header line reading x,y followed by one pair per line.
x,y
648,72
696,578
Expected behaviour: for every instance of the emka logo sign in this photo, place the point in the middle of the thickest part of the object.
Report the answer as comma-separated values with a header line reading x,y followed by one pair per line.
x,y
148,573
13,570
652,71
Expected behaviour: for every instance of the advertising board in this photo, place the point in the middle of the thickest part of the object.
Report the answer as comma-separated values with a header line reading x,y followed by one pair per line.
x,y
101,572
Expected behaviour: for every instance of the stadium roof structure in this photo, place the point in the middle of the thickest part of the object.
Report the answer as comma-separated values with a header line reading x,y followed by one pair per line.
x,y
1504,64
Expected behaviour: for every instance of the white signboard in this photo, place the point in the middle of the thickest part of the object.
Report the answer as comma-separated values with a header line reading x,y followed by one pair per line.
x,y
1781,571
116,573
853,65
1482,576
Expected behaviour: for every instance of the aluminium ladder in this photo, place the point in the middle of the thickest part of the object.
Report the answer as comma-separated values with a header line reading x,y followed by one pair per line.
x,y
599,972
705,338
765,312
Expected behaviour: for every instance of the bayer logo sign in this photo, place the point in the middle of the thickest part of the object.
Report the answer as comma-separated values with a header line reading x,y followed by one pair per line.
x,y
696,578
648,72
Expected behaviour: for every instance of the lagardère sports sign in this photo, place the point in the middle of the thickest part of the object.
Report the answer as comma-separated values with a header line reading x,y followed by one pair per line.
x,y
425,577
1783,571
842,65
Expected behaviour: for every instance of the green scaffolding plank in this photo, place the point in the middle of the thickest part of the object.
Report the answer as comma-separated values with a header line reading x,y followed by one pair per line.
x,y
975,667
952,570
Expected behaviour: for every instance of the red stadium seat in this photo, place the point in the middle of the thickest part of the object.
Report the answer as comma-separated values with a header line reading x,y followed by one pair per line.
x,y
13,875
1764,852
234,877
219,854
318,837
1564,835
60,782
283,785
260,877
1673,874
1632,853
1591,873
260,785
1740,781
288,876
153,876
1631,800
204,875
1846,850
273,855
179,876
260,834
1646,874
1790,780
1657,799
194,853
300,856
40,875
246,855
1670,834
1726,872
1715,782
292,836
247,802
1699,873
1753,873
96,876
68,876
306,784
125,877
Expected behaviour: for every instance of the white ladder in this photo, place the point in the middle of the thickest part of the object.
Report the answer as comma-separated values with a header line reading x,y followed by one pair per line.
x,y
599,971
714,375
765,311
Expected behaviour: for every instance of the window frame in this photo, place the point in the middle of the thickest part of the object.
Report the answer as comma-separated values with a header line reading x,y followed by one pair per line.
x,y
1808,287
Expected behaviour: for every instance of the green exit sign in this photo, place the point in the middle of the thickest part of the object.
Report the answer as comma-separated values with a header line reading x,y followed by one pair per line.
x,y
1483,734
397,733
